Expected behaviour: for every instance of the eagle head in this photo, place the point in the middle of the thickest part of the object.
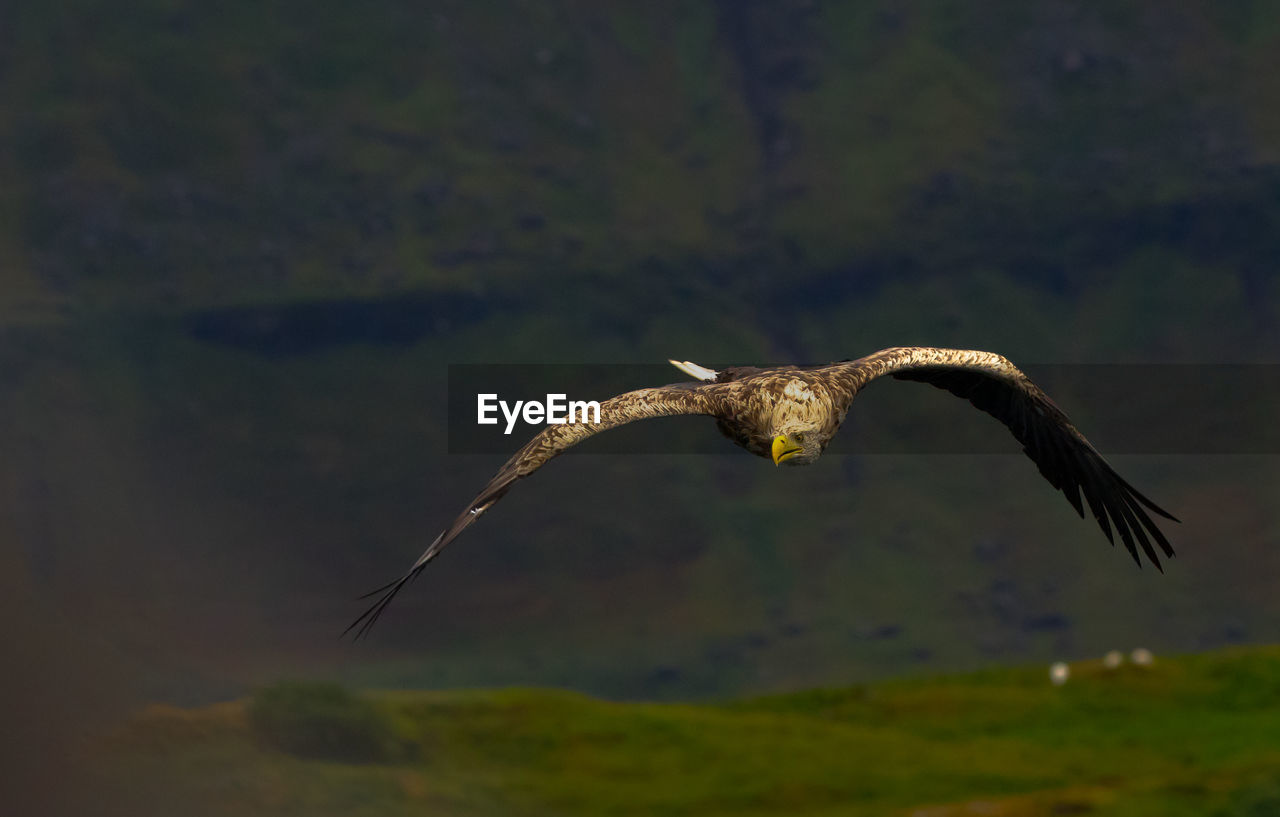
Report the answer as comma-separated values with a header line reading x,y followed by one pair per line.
x,y
799,447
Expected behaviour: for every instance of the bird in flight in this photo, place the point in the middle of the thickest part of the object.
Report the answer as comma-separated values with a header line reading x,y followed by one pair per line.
x,y
790,413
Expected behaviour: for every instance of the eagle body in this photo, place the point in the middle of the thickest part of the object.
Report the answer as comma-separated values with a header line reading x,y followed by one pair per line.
x,y
781,400
790,414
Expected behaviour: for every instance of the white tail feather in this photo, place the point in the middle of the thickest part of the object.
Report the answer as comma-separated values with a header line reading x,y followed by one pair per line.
x,y
694,370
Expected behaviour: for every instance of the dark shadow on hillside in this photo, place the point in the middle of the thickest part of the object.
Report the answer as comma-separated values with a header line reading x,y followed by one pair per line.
x,y
302,327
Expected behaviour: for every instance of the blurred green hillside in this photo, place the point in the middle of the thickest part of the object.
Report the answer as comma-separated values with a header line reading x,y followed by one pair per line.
x,y
168,156
240,244
1192,735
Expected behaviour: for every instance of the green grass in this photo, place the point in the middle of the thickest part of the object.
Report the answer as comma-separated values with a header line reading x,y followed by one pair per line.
x,y
1190,735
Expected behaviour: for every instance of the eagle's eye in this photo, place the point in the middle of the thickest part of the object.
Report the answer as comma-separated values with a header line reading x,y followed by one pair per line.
x,y
798,437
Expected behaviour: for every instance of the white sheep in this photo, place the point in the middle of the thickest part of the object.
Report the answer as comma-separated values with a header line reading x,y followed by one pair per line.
x,y
1059,673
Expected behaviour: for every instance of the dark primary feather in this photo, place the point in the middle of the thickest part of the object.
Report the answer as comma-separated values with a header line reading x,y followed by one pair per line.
x,y
1065,458
491,494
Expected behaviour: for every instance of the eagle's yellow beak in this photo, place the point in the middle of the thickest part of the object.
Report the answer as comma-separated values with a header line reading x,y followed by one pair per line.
x,y
783,448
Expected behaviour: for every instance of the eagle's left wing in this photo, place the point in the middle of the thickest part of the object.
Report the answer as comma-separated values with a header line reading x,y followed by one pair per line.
x,y
1065,458
663,401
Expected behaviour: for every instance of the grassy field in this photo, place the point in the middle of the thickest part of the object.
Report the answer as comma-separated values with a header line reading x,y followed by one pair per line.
x,y
1190,735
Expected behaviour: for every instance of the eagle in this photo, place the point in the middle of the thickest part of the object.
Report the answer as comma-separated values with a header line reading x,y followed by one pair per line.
x,y
790,413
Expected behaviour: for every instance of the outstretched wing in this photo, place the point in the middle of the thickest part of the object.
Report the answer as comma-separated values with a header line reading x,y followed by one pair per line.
x,y
664,401
1065,458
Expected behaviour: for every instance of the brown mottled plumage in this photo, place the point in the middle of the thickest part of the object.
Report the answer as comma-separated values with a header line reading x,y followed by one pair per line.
x,y
792,412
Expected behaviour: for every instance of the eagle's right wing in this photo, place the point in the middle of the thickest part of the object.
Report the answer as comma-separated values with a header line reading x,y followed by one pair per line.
x,y
663,401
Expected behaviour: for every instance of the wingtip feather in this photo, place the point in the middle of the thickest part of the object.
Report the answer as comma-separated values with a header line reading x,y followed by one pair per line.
x,y
388,591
